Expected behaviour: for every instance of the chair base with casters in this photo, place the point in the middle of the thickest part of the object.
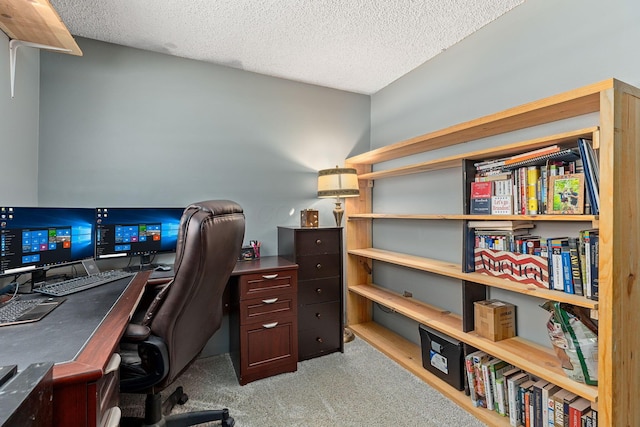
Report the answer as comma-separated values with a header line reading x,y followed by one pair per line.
x,y
156,413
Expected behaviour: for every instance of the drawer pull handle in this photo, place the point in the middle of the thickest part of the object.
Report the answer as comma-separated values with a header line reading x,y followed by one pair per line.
x,y
318,266
114,364
112,417
318,242
318,315
319,290
269,276
270,301
319,340
270,325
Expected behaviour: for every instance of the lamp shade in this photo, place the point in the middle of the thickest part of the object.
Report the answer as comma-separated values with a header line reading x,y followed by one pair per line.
x,y
338,182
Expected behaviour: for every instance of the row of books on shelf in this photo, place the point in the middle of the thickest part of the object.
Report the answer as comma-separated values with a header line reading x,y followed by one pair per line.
x,y
527,400
568,264
550,180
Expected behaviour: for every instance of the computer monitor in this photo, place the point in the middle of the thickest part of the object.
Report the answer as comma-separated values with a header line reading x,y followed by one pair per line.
x,y
136,232
33,238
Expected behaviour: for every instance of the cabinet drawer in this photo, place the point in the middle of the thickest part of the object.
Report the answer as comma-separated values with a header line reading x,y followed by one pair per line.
x,y
319,290
316,242
316,342
267,284
317,266
257,309
325,317
268,349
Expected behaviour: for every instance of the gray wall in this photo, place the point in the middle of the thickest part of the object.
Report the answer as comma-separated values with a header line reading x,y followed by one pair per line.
x,y
126,127
19,124
540,48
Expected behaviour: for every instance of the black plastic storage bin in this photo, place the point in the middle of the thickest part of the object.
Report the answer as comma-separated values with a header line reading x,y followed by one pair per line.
x,y
442,356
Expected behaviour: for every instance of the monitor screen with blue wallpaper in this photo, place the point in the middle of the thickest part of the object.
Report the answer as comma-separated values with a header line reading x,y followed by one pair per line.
x,y
129,232
38,237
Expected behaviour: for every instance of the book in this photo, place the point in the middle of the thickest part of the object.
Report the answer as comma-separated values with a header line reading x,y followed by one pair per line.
x,y
481,190
533,175
471,375
587,419
556,278
594,413
480,206
565,155
567,278
569,398
576,270
513,385
588,267
547,392
501,205
497,368
566,194
576,409
532,154
582,256
502,381
591,180
537,402
500,225
486,376
594,244
524,392
493,176
481,393
558,410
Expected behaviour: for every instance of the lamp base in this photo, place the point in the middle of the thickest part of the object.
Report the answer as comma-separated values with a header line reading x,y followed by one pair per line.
x,y
348,335
338,212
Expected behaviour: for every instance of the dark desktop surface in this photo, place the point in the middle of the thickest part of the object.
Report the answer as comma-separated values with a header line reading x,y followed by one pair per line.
x,y
63,333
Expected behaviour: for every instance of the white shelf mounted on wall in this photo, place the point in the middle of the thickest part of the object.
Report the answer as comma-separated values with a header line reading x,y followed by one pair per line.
x,y
13,48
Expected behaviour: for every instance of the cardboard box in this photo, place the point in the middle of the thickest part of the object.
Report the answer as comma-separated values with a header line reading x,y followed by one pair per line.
x,y
442,356
494,319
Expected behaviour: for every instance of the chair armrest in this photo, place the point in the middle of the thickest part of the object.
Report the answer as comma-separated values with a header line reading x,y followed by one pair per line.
x,y
136,333
154,364
158,281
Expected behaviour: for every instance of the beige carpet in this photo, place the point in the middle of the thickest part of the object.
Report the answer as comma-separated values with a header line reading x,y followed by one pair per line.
x,y
361,387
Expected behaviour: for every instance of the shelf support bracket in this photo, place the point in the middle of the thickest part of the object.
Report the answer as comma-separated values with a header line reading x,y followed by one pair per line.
x,y
13,48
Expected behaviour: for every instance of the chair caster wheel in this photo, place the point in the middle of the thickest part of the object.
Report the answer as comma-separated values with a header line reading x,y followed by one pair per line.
x,y
183,399
227,421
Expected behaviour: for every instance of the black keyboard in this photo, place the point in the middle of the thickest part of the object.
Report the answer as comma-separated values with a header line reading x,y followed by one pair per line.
x,y
18,310
78,284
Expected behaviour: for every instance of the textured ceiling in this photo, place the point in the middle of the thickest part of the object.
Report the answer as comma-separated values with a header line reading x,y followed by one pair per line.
x,y
355,45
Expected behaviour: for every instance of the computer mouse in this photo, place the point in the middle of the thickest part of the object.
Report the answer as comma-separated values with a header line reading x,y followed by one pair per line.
x,y
163,268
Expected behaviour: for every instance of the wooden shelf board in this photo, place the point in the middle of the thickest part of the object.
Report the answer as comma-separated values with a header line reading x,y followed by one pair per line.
x,y
567,138
563,218
36,21
565,105
535,359
409,356
453,270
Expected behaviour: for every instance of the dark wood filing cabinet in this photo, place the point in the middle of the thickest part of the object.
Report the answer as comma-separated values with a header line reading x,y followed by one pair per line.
x,y
263,318
318,253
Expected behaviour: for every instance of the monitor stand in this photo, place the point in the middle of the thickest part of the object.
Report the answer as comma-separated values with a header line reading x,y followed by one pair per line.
x,y
144,265
37,277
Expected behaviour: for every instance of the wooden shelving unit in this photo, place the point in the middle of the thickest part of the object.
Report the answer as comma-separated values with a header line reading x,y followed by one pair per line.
x,y
617,138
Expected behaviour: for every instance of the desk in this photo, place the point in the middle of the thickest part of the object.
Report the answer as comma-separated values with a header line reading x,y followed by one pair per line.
x,y
81,337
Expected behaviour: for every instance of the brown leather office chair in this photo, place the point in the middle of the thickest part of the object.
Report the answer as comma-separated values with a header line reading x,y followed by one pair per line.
x,y
183,313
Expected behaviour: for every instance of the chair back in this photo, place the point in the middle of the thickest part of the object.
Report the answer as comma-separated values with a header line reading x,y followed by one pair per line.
x,y
189,310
